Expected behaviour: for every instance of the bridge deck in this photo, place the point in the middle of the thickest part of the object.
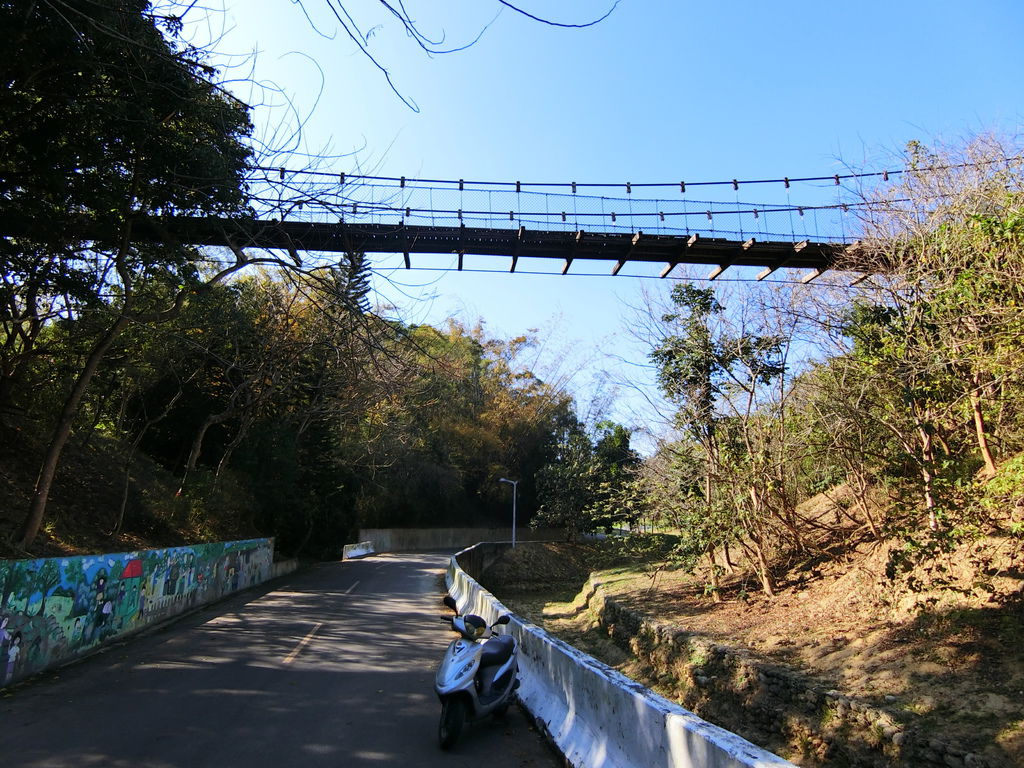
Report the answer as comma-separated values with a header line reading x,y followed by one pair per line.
x,y
619,248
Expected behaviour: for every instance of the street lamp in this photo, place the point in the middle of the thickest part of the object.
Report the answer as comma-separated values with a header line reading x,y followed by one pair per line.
x,y
515,488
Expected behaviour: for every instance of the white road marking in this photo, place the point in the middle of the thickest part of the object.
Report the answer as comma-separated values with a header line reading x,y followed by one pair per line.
x,y
356,584
303,643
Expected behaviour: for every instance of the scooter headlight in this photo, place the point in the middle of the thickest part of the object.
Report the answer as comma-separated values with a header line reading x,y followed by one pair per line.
x,y
475,627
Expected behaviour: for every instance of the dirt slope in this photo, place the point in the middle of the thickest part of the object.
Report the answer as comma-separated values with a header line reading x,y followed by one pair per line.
x,y
87,495
950,660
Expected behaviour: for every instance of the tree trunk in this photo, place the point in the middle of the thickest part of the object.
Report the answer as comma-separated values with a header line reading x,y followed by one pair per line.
x,y
716,587
61,432
126,487
243,430
755,554
767,583
927,478
859,487
131,455
727,558
979,427
197,443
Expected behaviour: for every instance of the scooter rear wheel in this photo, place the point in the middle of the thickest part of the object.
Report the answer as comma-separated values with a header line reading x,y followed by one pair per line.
x,y
453,716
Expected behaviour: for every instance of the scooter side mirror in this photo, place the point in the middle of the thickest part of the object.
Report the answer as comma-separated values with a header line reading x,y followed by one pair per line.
x,y
450,602
503,620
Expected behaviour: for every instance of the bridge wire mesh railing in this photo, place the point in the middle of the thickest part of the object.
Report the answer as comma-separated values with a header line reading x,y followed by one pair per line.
x,y
324,198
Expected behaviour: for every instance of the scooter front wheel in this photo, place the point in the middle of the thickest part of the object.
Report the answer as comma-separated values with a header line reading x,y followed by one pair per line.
x,y
453,716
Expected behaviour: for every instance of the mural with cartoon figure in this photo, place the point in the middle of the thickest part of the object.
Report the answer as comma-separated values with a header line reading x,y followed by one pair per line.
x,y
54,609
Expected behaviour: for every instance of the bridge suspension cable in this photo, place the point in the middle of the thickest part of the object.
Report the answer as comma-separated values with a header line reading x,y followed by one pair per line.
x,y
787,181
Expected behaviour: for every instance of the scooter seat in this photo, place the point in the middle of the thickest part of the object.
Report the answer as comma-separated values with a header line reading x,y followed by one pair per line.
x,y
497,650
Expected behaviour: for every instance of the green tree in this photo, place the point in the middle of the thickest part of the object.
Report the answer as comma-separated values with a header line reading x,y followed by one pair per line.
x,y
718,378
617,499
567,487
467,413
588,485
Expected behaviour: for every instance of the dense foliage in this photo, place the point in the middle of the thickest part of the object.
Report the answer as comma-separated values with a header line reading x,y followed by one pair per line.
x,y
588,485
322,416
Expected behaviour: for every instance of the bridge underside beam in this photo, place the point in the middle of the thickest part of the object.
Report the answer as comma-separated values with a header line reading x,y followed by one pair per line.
x,y
405,239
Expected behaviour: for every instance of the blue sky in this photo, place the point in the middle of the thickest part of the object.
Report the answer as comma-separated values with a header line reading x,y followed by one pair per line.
x,y
659,91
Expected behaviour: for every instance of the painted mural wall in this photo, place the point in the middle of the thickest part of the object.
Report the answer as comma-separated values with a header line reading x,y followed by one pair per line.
x,y
54,609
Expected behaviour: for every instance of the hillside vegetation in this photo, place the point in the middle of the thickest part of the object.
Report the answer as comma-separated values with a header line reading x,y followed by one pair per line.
x,y
903,390
221,431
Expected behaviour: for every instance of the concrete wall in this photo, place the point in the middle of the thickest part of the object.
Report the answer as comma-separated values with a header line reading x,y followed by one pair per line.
x,y
283,567
55,609
596,716
421,539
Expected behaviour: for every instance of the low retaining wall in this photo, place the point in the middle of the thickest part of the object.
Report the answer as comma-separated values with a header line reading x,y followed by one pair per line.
x,y
53,610
596,716
420,539
478,558
283,567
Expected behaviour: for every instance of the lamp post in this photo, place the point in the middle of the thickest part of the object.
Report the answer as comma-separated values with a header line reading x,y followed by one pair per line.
x,y
515,489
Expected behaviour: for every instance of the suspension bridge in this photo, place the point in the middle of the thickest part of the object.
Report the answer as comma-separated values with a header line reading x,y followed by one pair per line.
x,y
665,224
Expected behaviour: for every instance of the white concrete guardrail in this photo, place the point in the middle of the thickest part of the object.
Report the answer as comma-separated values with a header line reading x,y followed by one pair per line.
x,y
362,549
596,716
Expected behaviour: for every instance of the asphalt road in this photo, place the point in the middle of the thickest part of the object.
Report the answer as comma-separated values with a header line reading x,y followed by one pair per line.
x,y
330,667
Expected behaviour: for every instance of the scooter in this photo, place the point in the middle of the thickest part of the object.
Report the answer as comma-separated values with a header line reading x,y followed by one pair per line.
x,y
477,676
